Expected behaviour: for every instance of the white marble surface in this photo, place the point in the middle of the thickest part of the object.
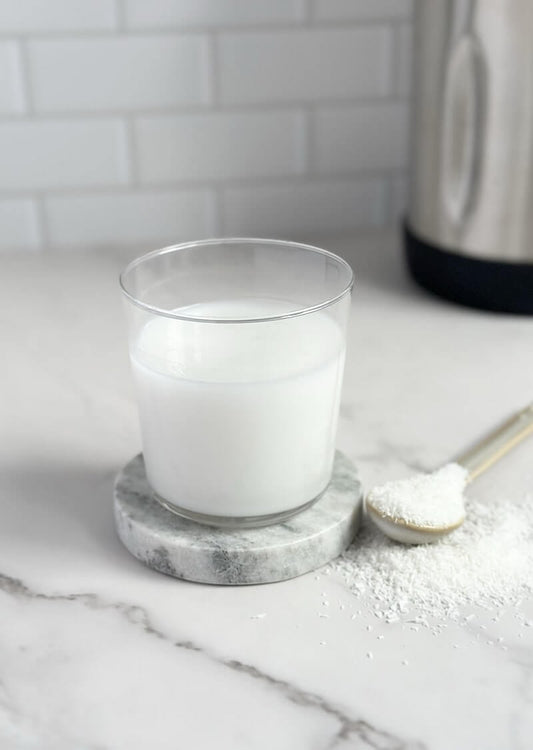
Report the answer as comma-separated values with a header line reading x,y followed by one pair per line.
x,y
97,651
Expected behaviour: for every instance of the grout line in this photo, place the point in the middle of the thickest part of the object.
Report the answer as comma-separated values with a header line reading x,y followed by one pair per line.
x,y
42,221
309,140
135,249
402,28
295,25
213,77
217,211
26,79
120,16
192,185
394,64
123,153
394,60
193,109
131,151
387,201
309,13
390,67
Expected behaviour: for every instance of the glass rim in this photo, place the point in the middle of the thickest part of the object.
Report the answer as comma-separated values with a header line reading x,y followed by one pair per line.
x,y
226,241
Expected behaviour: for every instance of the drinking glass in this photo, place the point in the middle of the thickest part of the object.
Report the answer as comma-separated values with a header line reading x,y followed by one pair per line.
x,y
237,349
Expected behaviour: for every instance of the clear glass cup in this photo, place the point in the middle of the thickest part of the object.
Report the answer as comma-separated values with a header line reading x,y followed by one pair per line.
x,y
237,349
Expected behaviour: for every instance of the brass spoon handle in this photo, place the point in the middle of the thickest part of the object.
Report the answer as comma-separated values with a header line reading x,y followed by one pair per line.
x,y
497,443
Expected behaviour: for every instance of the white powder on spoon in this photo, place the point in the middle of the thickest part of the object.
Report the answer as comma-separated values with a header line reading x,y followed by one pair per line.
x,y
427,500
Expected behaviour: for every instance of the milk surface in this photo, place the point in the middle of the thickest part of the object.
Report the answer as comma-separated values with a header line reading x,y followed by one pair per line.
x,y
239,419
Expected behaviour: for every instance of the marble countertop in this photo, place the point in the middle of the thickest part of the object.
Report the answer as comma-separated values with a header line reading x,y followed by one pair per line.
x,y
99,652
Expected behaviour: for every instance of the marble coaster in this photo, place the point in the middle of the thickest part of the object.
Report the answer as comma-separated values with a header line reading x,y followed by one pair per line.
x,y
185,549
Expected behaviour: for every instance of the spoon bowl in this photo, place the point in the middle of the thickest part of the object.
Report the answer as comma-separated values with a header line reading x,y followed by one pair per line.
x,y
405,532
399,522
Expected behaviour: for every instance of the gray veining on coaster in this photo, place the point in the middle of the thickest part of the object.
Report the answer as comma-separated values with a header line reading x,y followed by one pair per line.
x,y
184,549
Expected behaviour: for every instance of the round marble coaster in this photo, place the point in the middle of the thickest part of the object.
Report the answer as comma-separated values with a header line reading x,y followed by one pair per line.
x,y
185,549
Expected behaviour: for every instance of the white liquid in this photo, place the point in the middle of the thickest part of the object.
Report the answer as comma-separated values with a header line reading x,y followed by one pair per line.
x,y
239,419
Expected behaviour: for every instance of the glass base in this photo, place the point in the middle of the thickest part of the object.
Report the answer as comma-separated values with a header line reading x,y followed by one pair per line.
x,y
236,522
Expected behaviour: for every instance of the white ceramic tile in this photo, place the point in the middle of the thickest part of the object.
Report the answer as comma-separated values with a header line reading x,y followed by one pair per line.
x,y
361,137
403,59
219,146
304,64
12,100
51,154
155,218
338,10
292,210
121,73
56,15
18,225
183,13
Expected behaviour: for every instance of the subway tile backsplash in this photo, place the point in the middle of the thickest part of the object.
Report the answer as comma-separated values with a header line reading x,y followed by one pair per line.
x,y
119,73
20,225
143,14
48,154
305,64
359,10
361,136
220,146
12,94
127,123
36,16
304,210
104,219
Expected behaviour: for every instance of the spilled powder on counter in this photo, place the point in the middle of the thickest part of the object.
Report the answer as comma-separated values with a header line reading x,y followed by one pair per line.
x,y
487,562
431,500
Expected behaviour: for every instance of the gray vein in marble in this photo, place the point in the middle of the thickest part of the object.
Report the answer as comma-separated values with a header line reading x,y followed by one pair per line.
x,y
350,730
